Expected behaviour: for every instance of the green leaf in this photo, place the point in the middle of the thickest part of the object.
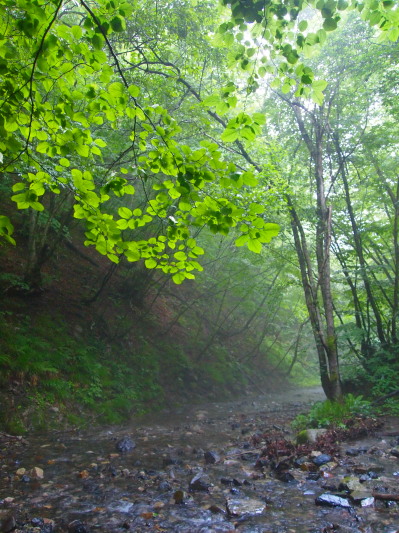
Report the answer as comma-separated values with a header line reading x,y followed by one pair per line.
x,y
132,255
150,263
256,209
42,147
100,143
254,246
179,277
6,229
125,212
134,90
269,231
18,187
243,239
180,256
318,97
229,135
118,24
212,101
303,25
116,88
97,41
330,24
83,150
319,85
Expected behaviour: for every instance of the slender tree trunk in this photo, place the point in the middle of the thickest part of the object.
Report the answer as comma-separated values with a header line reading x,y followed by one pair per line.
x,y
394,197
329,369
359,246
324,331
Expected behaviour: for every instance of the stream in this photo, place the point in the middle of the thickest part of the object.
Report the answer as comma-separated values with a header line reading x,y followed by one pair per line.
x,y
198,469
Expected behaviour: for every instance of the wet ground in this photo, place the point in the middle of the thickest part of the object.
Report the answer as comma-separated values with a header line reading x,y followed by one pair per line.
x,y
200,470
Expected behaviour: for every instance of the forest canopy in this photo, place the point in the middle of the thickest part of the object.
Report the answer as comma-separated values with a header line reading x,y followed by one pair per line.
x,y
153,123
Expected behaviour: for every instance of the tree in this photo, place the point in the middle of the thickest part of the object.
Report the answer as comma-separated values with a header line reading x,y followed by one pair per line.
x,y
70,80
327,150
63,78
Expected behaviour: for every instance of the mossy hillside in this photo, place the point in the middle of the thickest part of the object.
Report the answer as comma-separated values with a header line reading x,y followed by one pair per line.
x,y
51,375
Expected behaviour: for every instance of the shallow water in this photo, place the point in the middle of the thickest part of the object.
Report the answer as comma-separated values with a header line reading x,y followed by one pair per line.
x,y
86,479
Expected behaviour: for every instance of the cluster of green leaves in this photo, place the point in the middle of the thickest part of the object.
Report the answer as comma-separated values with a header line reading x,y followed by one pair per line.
x,y
67,83
333,414
281,35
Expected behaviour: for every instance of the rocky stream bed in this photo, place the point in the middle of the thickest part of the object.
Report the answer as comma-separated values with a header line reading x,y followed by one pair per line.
x,y
214,468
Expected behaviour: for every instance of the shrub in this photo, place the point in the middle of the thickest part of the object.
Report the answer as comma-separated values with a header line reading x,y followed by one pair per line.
x,y
326,414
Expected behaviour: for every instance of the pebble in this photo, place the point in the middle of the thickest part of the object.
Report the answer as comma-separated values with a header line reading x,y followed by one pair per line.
x,y
322,459
331,500
199,483
247,506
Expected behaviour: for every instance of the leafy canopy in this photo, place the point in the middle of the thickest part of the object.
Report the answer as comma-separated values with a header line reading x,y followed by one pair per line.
x,y
62,88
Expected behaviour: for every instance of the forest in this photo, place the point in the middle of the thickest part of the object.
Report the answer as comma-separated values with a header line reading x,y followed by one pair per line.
x,y
198,199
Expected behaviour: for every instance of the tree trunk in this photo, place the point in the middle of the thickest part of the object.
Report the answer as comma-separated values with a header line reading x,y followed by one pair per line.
x,y
323,330
327,354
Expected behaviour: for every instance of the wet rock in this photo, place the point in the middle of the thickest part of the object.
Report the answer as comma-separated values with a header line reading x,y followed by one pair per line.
x,y
171,460
158,505
249,456
308,467
331,500
8,524
36,473
241,507
367,502
286,477
313,476
309,436
121,506
77,527
211,457
200,482
364,498
164,486
262,462
353,452
322,459
216,509
373,475
351,484
125,444
395,451
180,497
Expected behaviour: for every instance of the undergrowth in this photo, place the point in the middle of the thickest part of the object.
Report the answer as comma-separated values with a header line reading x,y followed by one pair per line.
x,y
50,377
43,366
333,414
